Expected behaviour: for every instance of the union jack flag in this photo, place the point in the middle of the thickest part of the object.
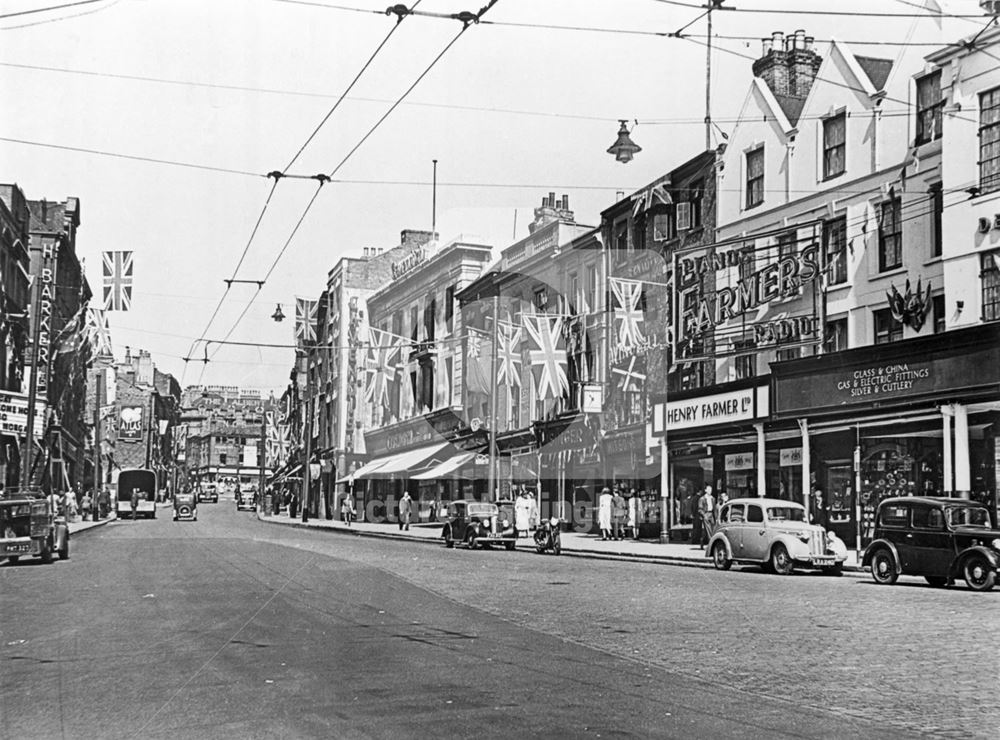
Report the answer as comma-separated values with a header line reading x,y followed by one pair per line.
x,y
305,320
99,331
509,357
632,379
547,352
276,451
117,281
382,358
626,297
477,363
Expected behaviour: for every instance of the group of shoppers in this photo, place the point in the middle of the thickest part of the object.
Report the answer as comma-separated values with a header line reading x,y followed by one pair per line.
x,y
618,517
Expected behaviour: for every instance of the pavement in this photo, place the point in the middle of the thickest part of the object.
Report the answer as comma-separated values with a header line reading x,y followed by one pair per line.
x,y
574,544
79,525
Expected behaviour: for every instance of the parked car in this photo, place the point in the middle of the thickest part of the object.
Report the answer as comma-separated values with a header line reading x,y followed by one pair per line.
x,y
941,539
185,506
246,499
773,533
29,526
208,493
477,523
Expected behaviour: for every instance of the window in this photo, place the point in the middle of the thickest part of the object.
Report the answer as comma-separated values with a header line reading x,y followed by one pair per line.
x,y
754,513
894,516
989,141
887,329
414,323
449,308
890,236
836,335
736,513
791,353
834,145
746,363
592,288
397,322
990,277
755,177
663,226
222,458
928,517
577,305
430,319
939,318
929,105
835,246
937,211
621,241
697,197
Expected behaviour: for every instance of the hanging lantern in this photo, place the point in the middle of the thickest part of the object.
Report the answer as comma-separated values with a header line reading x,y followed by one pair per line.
x,y
278,314
624,148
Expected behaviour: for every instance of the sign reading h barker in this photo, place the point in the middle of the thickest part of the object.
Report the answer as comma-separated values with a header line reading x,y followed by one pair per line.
x,y
749,294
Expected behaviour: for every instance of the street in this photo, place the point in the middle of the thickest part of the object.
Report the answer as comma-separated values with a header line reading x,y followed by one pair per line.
x,y
233,627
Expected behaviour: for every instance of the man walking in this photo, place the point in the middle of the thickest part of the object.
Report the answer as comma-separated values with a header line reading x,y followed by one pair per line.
x,y
706,512
405,509
619,510
135,502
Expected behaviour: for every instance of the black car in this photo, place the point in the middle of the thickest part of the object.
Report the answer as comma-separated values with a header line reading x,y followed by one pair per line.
x,y
477,523
941,539
246,499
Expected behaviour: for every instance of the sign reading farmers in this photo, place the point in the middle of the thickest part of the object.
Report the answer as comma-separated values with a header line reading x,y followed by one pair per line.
x,y
749,294
130,423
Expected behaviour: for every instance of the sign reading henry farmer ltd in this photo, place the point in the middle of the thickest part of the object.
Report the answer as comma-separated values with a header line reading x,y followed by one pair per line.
x,y
719,408
747,294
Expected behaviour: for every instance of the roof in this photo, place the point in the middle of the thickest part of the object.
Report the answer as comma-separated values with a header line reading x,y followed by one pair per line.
x,y
791,106
938,500
877,69
45,216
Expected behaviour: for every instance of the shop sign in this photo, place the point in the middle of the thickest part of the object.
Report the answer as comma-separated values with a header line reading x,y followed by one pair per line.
x,y
400,439
719,408
130,423
411,260
740,461
14,415
790,457
625,444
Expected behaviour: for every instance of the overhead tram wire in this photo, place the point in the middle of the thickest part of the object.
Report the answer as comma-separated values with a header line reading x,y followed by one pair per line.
x,y
278,175
467,19
50,8
786,11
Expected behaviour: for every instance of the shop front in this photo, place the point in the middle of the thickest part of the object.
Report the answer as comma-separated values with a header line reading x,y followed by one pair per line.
x,y
571,471
916,417
632,470
715,439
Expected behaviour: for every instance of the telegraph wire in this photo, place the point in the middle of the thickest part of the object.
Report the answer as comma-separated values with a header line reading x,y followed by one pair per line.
x,y
52,7
786,11
61,17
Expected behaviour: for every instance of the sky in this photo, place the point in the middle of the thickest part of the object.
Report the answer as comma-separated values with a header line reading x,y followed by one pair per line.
x,y
224,92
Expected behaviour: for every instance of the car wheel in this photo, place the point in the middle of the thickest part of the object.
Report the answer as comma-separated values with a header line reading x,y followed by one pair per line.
x,y
781,561
14,558
979,575
46,552
556,545
64,550
884,568
470,540
719,559
448,541
509,545
936,581
834,570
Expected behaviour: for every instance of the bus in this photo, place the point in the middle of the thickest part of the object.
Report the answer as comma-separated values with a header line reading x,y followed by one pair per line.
x,y
145,481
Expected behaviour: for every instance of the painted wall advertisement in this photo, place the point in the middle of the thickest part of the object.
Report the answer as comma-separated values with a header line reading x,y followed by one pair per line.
x,y
130,423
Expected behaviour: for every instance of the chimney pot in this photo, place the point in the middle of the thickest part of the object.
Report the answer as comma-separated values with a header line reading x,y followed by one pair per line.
x,y
778,38
765,47
552,200
809,43
565,202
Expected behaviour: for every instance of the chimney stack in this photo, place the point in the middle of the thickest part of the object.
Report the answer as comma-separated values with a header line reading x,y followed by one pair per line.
x,y
788,64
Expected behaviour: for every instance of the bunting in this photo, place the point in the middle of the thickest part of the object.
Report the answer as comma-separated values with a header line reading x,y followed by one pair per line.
x,y
117,269
383,353
547,352
649,197
305,321
631,379
628,317
99,332
72,336
477,363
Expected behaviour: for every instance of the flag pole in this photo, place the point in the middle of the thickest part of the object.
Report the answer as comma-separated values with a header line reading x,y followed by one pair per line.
x,y
492,475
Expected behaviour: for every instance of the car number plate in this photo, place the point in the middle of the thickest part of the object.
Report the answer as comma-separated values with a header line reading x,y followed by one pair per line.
x,y
19,547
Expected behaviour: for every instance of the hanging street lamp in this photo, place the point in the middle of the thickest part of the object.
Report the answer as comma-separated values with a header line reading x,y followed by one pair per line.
x,y
624,148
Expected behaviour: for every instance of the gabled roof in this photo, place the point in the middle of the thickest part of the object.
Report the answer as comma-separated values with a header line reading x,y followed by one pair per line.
x,y
877,70
791,106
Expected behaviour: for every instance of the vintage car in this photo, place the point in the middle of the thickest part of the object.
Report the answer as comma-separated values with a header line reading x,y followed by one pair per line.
x,y
186,506
478,524
246,498
28,526
775,534
208,492
941,539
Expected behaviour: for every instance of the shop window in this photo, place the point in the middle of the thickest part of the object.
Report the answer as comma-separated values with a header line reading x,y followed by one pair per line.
x,y
755,514
835,246
755,177
989,141
836,335
890,235
936,195
929,106
939,318
887,329
834,146
990,277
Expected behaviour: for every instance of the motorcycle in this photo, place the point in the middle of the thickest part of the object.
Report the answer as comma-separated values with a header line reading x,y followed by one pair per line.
x,y
547,536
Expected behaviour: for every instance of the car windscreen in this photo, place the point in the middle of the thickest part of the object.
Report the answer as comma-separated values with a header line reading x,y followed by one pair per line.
x,y
786,514
482,509
15,511
968,516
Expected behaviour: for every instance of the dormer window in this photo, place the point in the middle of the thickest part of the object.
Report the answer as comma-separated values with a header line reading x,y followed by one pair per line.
x,y
755,177
929,105
834,145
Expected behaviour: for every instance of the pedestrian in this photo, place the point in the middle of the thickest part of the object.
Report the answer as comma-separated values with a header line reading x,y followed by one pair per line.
x,y
522,514
135,502
405,510
696,521
85,505
706,511
604,513
817,513
347,508
104,503
619,511
632,524
71,506
293,504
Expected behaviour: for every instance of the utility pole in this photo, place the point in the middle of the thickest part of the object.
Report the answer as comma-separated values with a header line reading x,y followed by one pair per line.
x,y
492,475
708,77
98,382
263,462
307,443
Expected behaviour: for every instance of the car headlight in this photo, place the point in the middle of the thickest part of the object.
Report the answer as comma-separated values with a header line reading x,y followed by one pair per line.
x,y
996,543
504,523
804,536
487,520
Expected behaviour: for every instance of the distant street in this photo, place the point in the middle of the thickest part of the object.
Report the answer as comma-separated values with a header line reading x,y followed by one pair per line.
x,y
231,627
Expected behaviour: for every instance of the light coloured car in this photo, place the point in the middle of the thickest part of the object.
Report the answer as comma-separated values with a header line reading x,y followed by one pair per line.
x,y
775,534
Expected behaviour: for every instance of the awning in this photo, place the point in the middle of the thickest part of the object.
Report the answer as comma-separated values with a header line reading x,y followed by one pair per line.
x,y
401,462
445,468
